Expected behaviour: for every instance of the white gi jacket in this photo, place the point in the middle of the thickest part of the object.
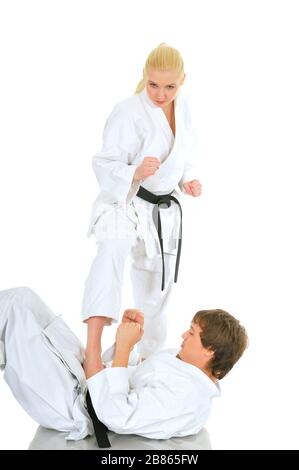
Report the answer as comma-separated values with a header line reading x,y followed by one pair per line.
x,y
163,397
137,128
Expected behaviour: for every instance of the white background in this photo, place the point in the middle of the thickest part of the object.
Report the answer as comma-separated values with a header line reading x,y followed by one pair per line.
x,y
64,65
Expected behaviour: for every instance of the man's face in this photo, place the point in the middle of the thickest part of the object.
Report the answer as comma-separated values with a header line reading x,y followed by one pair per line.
x,y
192,350
162,87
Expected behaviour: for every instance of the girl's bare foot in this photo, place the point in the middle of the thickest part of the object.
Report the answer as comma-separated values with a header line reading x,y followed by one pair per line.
x,y
92,366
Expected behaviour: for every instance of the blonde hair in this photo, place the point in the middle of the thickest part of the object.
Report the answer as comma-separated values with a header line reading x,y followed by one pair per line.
x,y
163,57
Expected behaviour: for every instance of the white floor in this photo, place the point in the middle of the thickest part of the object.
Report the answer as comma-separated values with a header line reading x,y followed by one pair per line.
x,y
46,439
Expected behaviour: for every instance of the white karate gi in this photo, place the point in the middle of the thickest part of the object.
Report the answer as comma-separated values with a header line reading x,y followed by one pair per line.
x,y
163,397
123,223
42,359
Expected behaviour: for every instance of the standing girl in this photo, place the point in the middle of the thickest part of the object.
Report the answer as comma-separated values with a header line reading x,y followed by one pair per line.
x,y
147,160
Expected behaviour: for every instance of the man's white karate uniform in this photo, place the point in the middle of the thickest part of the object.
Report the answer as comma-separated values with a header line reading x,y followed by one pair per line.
x,y
124,224
161,398
41,358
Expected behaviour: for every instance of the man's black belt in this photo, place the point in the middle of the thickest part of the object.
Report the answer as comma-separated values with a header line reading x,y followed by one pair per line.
x,y
100,429
158,201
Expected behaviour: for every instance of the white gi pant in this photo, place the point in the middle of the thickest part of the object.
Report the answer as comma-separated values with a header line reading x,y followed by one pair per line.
x,y
41,358
117,234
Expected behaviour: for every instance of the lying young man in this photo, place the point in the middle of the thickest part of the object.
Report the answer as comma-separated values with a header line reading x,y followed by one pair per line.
x,y
167,395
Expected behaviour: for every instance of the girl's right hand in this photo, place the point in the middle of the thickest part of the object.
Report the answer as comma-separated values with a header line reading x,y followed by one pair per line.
x,y
148,167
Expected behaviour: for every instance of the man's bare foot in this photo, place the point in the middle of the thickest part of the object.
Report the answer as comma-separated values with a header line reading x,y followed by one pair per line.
x,y
92,366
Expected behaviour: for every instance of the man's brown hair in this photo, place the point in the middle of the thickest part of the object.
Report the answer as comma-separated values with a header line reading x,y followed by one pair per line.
x,y
225,336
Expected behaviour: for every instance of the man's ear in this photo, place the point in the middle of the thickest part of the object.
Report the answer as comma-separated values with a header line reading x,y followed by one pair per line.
x,y
209,353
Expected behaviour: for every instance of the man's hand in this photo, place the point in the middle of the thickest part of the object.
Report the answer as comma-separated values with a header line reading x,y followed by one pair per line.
x,y
133,315
148,167
127,335
193,188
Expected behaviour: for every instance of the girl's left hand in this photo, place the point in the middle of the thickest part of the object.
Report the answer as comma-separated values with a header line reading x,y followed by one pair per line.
x,y
193,188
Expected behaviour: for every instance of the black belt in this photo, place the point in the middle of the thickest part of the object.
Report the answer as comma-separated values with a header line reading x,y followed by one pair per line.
x,y
158,200
100,429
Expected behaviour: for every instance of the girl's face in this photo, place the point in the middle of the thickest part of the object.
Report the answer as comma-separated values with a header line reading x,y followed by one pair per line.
x,y
162,87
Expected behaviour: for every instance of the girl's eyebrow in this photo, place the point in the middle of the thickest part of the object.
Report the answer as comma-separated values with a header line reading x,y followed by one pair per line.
x,y
165,85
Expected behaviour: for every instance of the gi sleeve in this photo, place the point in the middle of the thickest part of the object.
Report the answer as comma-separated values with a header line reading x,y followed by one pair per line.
x,y
191,170
156,411
113,165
